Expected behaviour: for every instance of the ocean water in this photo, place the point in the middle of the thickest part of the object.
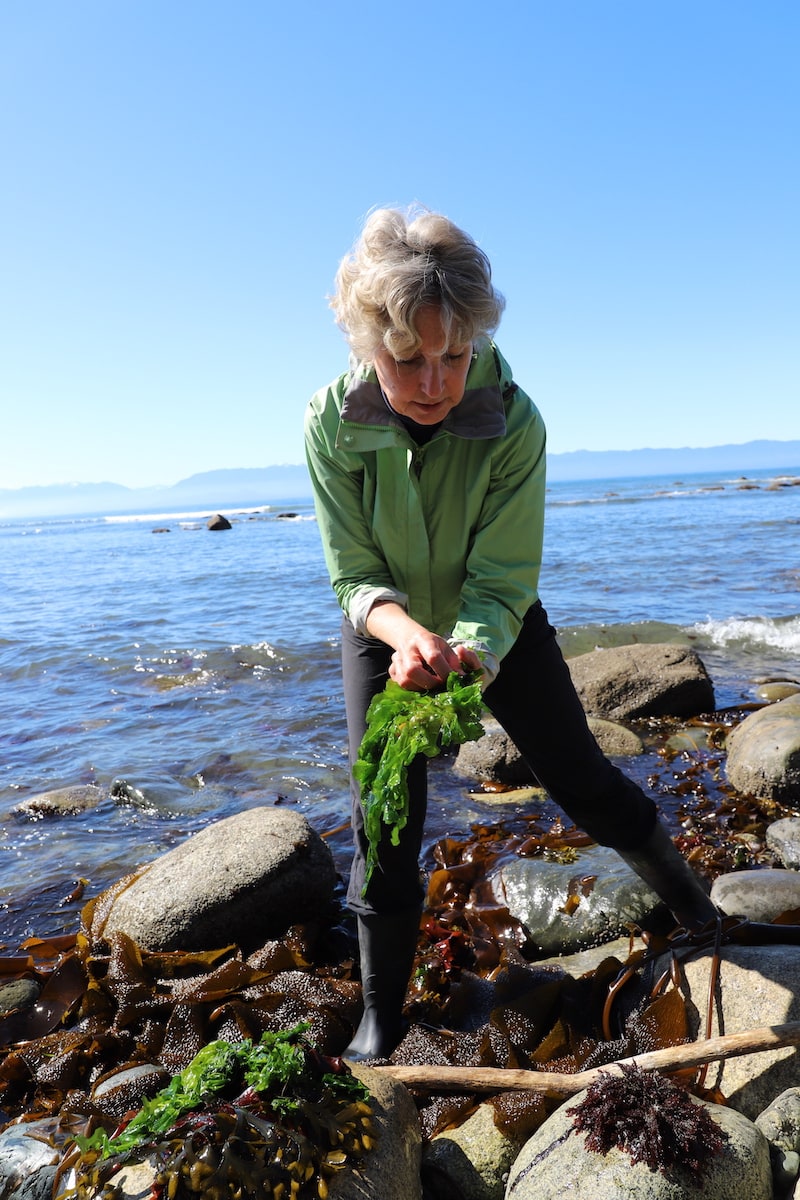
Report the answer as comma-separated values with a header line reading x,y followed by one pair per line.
x,y
202,668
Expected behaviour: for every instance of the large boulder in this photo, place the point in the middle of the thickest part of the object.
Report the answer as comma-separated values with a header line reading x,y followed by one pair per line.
x,y
625,682
763,753
557,1159
568,905
241,880
757,986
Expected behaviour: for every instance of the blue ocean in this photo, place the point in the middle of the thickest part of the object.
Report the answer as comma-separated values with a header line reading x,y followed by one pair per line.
x,y
201,668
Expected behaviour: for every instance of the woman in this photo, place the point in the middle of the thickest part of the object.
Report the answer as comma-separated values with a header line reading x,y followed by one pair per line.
x,y
428,468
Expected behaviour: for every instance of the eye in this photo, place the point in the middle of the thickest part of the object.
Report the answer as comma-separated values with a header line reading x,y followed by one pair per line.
x,y
455,356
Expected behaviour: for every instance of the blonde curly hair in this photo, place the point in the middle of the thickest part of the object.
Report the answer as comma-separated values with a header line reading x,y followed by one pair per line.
x,y
405,260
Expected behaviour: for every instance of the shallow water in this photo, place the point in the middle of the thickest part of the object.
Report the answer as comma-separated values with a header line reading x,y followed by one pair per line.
x,y
203,668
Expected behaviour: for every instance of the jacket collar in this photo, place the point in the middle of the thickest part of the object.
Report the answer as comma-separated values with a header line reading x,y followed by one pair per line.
x,y
480,414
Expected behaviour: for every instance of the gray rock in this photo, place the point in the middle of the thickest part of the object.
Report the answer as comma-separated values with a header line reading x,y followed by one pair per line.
x,y
241,880
567,906
757,895
18,994
757,986
556,1162
493,757
615,740
472,1160
61,802
763,752
624,682
780,1125
118,1093
783,839
24,1154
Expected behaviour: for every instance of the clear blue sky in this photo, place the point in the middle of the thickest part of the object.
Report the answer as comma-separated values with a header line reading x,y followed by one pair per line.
x,y
180,179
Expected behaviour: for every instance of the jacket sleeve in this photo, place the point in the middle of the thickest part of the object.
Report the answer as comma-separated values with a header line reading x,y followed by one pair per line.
x,y
504,560
342,500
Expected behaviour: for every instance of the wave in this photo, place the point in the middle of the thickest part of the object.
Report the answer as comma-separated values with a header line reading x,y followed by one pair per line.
x,y
778,633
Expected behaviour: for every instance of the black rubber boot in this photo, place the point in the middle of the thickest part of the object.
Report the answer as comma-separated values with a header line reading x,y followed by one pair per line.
x,y
387,942
661,865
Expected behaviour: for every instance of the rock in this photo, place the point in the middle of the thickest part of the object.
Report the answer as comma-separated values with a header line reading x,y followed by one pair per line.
x,y
218,522
763,752
777,689
757,895
18,994
241,880
493,757
556,1160
474,1159
567,906
615,740
61,802
392,1169
780,1125
624,682
758,986
24,1157
783,839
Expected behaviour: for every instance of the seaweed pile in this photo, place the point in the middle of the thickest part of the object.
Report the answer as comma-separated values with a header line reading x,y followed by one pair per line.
x,y
241,1122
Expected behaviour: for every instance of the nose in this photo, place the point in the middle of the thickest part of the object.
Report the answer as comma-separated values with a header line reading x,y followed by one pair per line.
x,y
432,382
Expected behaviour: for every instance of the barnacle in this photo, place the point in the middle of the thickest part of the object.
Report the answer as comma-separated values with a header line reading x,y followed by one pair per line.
x,y
649,1117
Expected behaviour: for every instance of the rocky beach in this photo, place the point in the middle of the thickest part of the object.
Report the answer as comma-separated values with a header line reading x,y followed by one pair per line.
x,y
539,956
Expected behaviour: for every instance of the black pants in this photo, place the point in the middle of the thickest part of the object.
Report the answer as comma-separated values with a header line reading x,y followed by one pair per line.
x,y
535,701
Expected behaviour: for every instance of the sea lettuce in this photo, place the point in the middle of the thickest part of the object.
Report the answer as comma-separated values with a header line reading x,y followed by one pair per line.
x,y
400,725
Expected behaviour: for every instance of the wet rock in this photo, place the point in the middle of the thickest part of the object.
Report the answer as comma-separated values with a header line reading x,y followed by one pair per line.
x,y
472,1160
241,880
624,682
757,986
763,752
615,740
18,994
556,1159
777,689
26,1158
567,906
757,895
62,802
218,522
783,839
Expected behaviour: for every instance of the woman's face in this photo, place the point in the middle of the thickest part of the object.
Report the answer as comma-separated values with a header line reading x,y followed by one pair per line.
x,y
427,386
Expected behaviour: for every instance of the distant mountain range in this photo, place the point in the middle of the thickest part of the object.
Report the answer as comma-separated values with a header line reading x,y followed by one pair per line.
x,y
215,490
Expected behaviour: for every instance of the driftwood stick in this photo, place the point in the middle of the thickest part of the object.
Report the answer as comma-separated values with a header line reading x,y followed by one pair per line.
x,y
551,1083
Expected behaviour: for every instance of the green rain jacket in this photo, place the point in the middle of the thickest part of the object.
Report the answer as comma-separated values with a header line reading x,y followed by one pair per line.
x,y
452,530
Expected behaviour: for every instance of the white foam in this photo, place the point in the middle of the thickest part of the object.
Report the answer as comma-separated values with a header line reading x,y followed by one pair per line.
x,y
782,633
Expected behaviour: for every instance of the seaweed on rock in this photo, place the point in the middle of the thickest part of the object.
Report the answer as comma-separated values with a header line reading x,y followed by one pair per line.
x,y
650,1118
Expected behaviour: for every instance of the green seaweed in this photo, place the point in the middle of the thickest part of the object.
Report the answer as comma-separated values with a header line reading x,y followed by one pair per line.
x,y
400,725
278,1068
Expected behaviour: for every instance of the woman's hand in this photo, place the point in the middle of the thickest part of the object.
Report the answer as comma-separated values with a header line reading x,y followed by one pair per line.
x,y
422,660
